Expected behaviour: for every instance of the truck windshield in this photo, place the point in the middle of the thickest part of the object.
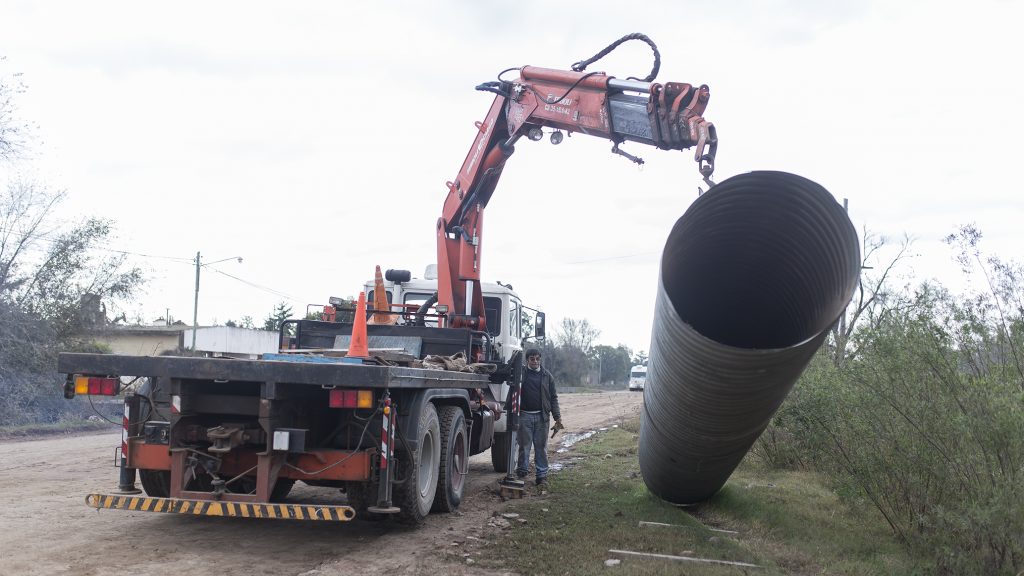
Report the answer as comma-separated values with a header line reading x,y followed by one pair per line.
x,y
369,298
417,299
492,310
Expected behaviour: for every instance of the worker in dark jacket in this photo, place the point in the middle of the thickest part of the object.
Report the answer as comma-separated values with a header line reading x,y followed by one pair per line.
x,y
538,400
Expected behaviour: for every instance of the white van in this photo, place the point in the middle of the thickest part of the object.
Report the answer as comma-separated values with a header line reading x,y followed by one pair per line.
x,y
637,377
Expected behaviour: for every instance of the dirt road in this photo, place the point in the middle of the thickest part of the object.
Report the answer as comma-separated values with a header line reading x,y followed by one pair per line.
x,y
46,528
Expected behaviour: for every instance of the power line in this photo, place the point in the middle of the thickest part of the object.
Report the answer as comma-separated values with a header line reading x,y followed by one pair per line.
x,y
48,237
128,253
257,286
623,257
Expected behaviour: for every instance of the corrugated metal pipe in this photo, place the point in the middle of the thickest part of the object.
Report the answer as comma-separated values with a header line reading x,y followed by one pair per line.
x,y
752,277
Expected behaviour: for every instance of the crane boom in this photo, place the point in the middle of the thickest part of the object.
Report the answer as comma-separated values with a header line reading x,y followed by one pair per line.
x,y
667,116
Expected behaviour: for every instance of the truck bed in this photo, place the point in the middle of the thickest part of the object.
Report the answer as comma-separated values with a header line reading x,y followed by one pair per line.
x,y
277,371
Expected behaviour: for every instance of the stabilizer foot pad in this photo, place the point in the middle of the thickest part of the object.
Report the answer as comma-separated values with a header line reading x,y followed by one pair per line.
x,y
509,489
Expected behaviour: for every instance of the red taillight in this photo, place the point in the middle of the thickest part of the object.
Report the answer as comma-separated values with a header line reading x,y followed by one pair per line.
x,y
97,386
342,398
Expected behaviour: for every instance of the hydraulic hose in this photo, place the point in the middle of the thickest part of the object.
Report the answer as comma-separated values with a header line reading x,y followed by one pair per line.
x,y
752,277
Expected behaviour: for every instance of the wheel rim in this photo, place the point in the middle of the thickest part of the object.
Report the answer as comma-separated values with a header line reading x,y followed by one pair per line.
x,y
426,468
458,473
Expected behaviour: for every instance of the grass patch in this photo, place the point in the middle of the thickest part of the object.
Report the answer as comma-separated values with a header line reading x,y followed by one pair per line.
x,y
26,431
787,522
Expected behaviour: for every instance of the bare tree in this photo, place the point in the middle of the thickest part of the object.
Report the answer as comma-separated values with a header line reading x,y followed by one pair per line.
x,y
49,273
53,281
23,209
12,132
873,296
578,334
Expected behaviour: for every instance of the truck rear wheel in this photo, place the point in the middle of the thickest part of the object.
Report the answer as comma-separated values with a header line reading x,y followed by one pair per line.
x,y
247,485
358,497
156,483
499,451
451,480
362,495
281,489
415,495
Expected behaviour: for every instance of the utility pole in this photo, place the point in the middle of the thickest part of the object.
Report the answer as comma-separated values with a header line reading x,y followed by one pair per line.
x,y
195,307
840,335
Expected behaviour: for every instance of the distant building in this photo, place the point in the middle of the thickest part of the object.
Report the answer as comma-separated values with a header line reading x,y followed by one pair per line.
x,y
139,340
234,342
211,340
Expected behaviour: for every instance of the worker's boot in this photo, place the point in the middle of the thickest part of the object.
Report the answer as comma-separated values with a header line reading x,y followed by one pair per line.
x,y
542,486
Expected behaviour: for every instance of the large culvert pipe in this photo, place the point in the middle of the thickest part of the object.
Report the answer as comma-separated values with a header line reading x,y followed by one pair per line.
x,y
752,276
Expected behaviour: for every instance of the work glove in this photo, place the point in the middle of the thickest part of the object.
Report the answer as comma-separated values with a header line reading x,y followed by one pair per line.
x,y
558,426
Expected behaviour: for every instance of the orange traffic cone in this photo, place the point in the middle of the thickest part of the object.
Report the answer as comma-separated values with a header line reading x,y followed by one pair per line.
x,y
380,301
357,347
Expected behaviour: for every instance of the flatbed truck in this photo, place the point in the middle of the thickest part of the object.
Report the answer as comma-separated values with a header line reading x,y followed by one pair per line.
x,y
231,437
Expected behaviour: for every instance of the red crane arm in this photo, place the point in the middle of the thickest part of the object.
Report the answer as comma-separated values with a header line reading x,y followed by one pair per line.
x,y
667,116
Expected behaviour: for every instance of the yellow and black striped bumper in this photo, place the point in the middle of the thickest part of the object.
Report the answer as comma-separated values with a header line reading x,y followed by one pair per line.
x,y
210,508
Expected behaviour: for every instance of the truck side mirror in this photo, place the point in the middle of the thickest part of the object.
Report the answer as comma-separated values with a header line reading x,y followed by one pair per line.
x,y
538,326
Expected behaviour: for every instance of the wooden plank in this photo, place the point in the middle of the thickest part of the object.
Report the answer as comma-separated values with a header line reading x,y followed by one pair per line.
x,y
645,524
681,558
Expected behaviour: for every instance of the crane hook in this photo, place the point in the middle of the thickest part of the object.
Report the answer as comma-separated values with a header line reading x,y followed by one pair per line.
x,y
635,159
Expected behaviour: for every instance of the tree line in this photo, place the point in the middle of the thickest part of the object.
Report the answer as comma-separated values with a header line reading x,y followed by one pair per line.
x,y
915,407
575,361
53,280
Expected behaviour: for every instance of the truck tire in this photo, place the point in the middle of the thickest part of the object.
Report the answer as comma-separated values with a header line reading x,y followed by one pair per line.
x,y
156,483
362,495
358,494
499,451
281,489
451,479
247,485
418,471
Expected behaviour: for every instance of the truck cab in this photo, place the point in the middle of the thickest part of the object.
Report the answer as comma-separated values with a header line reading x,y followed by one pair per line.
x,y
509,323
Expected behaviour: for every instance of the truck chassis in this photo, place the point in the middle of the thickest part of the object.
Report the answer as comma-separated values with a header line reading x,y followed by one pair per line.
x,y
212,430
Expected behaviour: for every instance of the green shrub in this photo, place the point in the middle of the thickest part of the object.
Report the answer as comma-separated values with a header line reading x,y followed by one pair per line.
x,y
925,423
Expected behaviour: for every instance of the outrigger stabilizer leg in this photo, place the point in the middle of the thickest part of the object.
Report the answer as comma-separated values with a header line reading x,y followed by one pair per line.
x,y
387,452
510,486
126,479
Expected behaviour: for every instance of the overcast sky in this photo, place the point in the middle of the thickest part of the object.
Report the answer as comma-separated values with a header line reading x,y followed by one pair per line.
x,y
314,139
